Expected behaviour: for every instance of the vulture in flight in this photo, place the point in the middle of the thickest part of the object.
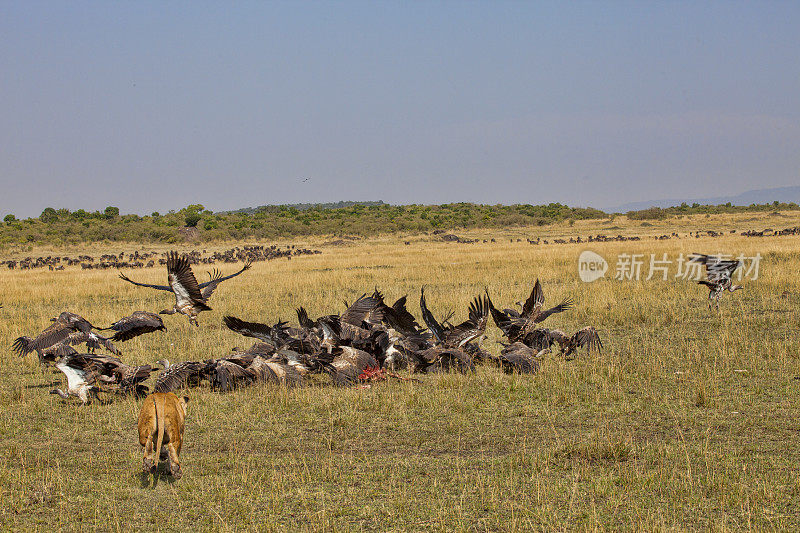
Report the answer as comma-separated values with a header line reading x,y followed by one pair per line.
x,y
139,323
718,273
189,299
128,379
67,329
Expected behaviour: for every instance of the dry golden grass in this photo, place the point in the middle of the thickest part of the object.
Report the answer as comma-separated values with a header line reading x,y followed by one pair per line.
x,y
687,420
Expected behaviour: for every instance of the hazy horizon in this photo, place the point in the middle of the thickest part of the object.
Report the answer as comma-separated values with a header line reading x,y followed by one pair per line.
x,y
152,107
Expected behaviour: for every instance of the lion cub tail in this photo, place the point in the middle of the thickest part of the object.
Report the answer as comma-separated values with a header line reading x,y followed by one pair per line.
x,y
159,428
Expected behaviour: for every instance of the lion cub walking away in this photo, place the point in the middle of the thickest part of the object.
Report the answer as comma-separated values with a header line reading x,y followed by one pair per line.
x,y
161,424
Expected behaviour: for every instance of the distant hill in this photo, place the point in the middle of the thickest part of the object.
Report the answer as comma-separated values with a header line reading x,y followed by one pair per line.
x,y
303,207
757,196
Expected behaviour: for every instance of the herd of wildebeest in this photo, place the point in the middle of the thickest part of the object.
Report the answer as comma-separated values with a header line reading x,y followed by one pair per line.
x,y
145,259
370,341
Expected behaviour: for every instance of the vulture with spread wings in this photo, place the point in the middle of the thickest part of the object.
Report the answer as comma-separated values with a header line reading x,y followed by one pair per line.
x,y
139,323
518,357
177,376
457,336
583,338
516,326
67,329
718,273
189,299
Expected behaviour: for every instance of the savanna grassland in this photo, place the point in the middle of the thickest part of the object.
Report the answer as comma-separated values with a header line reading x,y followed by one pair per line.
x,y
689,418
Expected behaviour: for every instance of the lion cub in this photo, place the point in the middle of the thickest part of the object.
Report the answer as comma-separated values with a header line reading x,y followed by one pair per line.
x,y
161,424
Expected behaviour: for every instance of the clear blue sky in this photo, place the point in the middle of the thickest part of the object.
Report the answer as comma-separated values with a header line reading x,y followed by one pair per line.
x,y
155,105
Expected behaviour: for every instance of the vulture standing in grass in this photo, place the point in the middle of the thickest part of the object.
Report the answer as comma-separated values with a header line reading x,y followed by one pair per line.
x,y
586,337
139,323
275,370
242,369
718,273
516,326
178,376
189,299
81,377
518,357
128,379
441,359
350,363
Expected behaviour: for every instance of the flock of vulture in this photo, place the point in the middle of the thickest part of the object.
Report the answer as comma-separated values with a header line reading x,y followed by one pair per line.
x,y
370,341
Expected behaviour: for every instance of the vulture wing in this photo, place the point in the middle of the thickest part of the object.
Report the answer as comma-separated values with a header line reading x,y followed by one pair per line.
x,y
159,287
272,334
429,319
473,327
501,318
209,286
361,308
520,358
565,304
589,338
534,302
226,376
399,318
176,376
138,323
56,333
717,269
302,318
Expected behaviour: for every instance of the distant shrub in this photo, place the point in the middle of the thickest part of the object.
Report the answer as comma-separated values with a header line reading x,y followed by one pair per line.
x,y
49,215
654,213
191,219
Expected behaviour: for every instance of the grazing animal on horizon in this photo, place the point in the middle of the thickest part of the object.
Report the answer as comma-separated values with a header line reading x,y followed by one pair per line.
x,y
189,300
161,423
718,273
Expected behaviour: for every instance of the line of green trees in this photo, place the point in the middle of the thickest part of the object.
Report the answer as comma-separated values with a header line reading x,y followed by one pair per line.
x,y
62,226
660,213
